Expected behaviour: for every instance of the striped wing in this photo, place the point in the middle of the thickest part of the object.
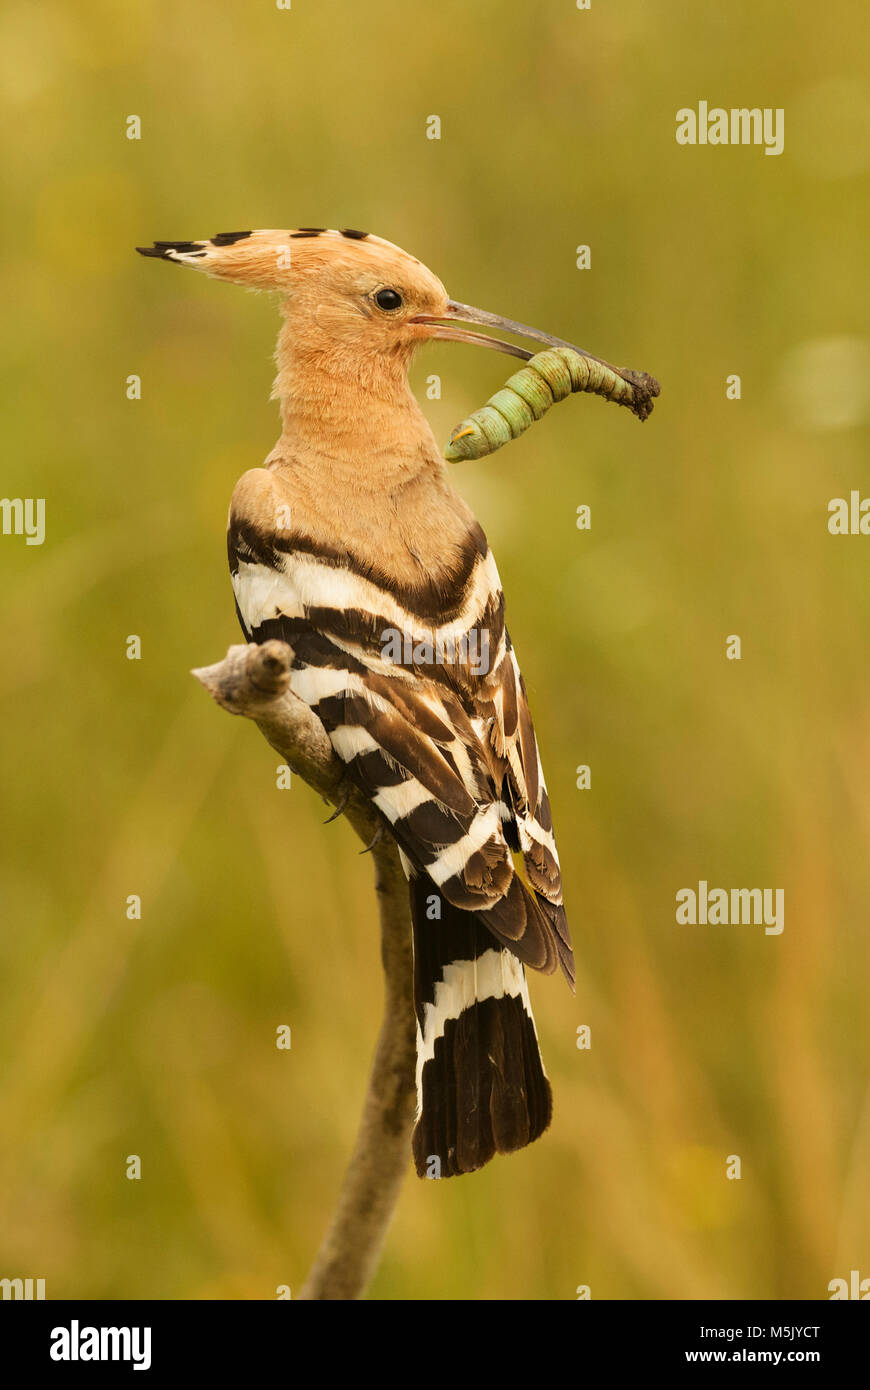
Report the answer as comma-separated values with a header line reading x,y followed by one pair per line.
x,y
440,740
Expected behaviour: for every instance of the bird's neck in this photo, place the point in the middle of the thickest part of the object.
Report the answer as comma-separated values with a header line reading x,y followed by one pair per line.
x,y
358,465
351,421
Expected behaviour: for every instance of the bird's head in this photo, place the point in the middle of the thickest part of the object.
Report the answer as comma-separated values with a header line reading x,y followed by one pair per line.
x,y
345,294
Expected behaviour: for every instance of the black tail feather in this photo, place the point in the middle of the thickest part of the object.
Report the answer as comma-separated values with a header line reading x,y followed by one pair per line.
x,y
482,1088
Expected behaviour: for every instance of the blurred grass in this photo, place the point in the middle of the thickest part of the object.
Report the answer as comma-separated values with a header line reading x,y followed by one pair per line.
x,y
157,1037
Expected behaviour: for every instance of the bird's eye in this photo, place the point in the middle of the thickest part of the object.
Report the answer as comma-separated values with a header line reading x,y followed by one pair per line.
x,y
389,300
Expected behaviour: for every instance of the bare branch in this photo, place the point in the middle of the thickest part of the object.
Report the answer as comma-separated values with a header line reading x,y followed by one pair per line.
x,y
253,681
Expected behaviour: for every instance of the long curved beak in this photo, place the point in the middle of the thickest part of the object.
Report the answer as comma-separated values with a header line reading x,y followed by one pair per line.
x,y
446,327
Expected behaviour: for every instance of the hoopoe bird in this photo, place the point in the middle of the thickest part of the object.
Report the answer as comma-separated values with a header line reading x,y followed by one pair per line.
x,y
349,537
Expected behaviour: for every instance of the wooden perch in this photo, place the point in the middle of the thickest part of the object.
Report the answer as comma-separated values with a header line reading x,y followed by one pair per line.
x,y
254,681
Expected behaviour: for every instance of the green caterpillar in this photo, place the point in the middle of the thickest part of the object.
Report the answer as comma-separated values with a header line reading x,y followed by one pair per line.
x,y
546,378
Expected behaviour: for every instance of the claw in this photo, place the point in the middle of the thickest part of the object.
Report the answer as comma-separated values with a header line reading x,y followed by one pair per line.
x,y
378,836
344,792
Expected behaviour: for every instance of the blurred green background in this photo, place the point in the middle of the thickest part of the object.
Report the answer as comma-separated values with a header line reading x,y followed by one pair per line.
x,y
156,1037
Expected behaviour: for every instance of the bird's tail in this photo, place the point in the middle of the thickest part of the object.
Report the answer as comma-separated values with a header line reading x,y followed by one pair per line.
x,y
481,1084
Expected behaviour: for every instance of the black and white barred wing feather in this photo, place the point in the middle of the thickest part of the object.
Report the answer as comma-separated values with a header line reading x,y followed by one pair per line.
x,y
449,759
